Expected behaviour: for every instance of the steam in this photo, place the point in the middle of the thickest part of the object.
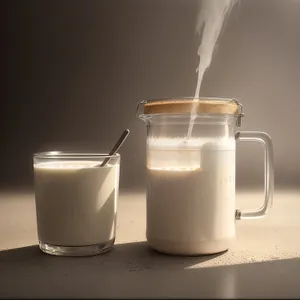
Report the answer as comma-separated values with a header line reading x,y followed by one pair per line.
x,y
210,21
209,25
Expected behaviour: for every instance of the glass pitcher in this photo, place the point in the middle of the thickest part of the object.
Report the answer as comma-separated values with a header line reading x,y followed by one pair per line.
x,y
191,162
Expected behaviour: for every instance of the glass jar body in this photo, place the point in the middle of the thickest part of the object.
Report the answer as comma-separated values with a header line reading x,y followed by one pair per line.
x,y
190,183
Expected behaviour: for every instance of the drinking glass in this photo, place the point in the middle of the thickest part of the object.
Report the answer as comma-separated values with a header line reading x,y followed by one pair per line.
x,y
76,202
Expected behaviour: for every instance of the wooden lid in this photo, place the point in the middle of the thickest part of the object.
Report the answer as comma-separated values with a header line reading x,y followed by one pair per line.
x,y
192,105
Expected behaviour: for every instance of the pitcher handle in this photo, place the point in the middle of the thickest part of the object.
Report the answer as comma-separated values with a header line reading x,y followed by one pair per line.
x,y
265,139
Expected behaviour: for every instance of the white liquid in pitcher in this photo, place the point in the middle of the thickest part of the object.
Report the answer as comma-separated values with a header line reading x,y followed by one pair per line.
x,y
76,202
191,209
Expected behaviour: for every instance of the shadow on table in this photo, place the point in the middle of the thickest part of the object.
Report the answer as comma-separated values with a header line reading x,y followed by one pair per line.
x,y
136,256
134,270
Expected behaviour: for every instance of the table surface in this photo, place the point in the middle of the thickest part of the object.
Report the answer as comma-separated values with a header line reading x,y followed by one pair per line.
x,y
264,261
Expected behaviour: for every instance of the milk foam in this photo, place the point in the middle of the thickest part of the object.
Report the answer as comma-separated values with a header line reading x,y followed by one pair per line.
x,y
67,165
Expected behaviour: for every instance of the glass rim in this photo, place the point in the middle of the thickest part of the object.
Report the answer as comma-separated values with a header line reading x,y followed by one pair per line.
x,y
197,106
175,99
188,115
190,106
71,154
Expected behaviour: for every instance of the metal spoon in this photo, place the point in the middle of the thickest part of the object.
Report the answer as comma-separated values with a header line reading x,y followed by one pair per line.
x,y
116,147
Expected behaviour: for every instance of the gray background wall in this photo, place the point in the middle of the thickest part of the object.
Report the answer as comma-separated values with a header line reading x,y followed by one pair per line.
x,y
75,70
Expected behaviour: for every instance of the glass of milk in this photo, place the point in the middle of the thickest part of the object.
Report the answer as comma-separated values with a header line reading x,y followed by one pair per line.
x,y
191,162
76,202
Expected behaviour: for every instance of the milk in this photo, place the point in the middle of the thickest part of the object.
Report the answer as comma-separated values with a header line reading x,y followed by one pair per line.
x,y
191,196
76,202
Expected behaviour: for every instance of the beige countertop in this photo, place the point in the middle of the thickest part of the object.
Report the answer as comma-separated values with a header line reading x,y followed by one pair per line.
x,y
264,262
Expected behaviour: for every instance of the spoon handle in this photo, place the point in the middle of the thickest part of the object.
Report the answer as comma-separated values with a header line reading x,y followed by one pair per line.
x,y
116,147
